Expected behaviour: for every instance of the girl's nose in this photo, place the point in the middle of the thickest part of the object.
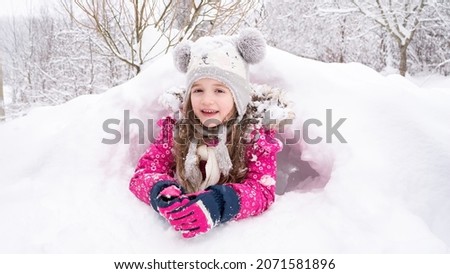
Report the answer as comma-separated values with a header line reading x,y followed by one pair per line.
x,y
207,99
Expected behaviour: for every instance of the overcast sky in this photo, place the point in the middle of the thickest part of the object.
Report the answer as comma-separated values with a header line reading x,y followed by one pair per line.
x,y
22,7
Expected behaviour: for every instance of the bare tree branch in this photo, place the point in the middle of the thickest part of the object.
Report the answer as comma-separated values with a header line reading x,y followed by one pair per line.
x,y
123,24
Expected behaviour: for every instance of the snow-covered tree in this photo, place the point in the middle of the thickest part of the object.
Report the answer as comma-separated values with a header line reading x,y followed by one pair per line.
x,y
328,31
2,106
430,51
401,19
378,33
48,60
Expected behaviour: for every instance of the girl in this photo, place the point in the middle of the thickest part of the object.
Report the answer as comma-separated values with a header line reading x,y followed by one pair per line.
x,y
214,164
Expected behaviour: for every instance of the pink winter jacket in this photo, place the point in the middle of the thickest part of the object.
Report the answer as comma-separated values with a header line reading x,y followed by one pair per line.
x,y
256,192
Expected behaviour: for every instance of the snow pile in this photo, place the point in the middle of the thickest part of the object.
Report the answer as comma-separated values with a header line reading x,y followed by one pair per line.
x,y
380,183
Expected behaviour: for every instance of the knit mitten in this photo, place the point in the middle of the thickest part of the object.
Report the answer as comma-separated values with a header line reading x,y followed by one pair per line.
x,y
197,213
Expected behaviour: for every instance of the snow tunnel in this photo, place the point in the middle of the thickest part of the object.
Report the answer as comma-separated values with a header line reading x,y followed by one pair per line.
x,y
300,166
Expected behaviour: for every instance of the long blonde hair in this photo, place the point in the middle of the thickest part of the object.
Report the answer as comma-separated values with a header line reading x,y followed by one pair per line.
x,y
236,145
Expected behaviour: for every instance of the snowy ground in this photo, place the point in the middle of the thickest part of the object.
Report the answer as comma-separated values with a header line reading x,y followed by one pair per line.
x,y
384,191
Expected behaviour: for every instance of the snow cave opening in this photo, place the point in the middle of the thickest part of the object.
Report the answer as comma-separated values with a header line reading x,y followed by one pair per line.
x,y
297,174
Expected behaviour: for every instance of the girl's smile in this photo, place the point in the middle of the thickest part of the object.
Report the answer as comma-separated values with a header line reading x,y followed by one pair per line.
x,y
212,102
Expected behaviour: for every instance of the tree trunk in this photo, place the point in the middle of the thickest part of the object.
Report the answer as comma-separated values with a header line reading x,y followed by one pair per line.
x,y
2,107
403,67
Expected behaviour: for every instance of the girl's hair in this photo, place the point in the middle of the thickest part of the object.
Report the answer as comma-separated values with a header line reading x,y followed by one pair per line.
x,y
236,145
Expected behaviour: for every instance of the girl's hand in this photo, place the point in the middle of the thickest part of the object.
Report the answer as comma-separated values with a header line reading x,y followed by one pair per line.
x,y
169,200
164,194
196,214
170,193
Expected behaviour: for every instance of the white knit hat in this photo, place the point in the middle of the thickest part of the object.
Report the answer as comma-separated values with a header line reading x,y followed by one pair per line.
x,y
223,58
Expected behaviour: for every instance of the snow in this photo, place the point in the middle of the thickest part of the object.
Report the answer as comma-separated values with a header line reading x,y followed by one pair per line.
x,y
64,190
7,95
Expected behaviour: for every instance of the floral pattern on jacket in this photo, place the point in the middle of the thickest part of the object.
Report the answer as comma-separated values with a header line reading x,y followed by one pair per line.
x,y
256,191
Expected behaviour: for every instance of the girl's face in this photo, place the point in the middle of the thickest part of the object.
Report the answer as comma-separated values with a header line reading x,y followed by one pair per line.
x,y
212,102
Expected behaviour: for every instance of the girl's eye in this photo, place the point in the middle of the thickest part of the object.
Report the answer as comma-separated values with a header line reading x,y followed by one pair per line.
x,y
220,91
197,90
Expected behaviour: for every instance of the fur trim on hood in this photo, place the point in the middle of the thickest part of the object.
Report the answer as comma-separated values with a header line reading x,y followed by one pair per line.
x,y
268,105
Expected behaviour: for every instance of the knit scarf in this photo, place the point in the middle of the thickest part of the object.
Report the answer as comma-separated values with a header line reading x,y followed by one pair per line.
x,y
217,158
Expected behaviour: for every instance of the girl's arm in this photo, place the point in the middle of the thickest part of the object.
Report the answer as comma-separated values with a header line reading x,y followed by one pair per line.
x,y
198,212
155,164
257,191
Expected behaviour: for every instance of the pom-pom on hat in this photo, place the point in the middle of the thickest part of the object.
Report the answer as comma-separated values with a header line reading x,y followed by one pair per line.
x,y
223,58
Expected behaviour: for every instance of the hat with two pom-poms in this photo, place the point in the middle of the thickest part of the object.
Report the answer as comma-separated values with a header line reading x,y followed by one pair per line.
x,y
223,58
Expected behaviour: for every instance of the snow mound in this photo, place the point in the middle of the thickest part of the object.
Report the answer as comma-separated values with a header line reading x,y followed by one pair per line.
x,y
382,187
